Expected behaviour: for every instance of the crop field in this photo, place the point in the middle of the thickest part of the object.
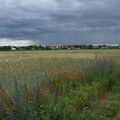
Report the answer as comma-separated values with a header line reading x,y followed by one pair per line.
x,y
60,85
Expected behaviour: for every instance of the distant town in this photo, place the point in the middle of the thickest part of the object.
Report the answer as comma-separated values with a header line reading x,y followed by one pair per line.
x,y
60,47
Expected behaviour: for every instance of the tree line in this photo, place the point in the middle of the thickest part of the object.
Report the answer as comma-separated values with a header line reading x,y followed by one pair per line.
x,y
40,47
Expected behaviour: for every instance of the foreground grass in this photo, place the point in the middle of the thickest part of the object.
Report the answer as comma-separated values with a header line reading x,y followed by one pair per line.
x,y
75,100
107,106
66,94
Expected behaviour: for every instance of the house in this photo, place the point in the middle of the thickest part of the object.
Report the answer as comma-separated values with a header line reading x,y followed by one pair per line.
x,y
13,48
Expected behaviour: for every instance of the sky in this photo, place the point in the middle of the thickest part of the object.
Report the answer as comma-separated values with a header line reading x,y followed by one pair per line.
x,y
59,22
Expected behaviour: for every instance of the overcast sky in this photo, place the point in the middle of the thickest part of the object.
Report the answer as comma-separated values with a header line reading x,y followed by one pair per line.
x,y
48,22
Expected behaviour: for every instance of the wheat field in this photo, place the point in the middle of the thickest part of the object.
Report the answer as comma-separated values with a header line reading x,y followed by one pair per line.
x,y
29,66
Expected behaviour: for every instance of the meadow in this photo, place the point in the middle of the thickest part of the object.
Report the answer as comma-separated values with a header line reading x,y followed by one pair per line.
x,y
59,85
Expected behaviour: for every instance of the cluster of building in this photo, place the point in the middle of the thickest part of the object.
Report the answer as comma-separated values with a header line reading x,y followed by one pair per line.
x,y
90,46
62,47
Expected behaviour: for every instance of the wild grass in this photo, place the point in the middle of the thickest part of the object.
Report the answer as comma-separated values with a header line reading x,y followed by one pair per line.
x,y
56,85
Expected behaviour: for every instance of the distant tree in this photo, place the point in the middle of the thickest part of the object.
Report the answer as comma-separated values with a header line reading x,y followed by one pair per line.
x,y
90,47
99,46
47,48
5,48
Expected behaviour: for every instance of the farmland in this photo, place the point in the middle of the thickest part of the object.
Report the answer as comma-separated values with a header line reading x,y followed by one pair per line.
x,y
26,69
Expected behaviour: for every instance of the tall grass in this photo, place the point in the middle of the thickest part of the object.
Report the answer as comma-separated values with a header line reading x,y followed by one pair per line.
x,y
65,93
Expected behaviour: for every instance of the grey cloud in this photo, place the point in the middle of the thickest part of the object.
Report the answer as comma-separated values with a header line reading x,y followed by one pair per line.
x,y
60,21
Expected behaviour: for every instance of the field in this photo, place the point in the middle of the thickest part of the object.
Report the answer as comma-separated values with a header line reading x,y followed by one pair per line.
x,y
22,71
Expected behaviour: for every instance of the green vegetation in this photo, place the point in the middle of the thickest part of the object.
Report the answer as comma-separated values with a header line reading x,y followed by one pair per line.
x,y
24,48
56,47
59,85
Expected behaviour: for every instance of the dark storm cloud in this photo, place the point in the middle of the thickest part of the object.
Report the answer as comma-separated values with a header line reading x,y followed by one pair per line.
x,y
60,21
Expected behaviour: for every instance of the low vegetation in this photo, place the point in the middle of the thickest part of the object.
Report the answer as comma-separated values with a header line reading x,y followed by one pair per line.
x,y
72,91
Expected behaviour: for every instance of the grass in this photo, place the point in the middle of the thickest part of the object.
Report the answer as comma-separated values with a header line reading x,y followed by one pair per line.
x,y
109,109
77,91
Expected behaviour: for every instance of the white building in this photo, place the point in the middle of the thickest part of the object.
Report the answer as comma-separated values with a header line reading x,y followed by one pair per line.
x,y
12,48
